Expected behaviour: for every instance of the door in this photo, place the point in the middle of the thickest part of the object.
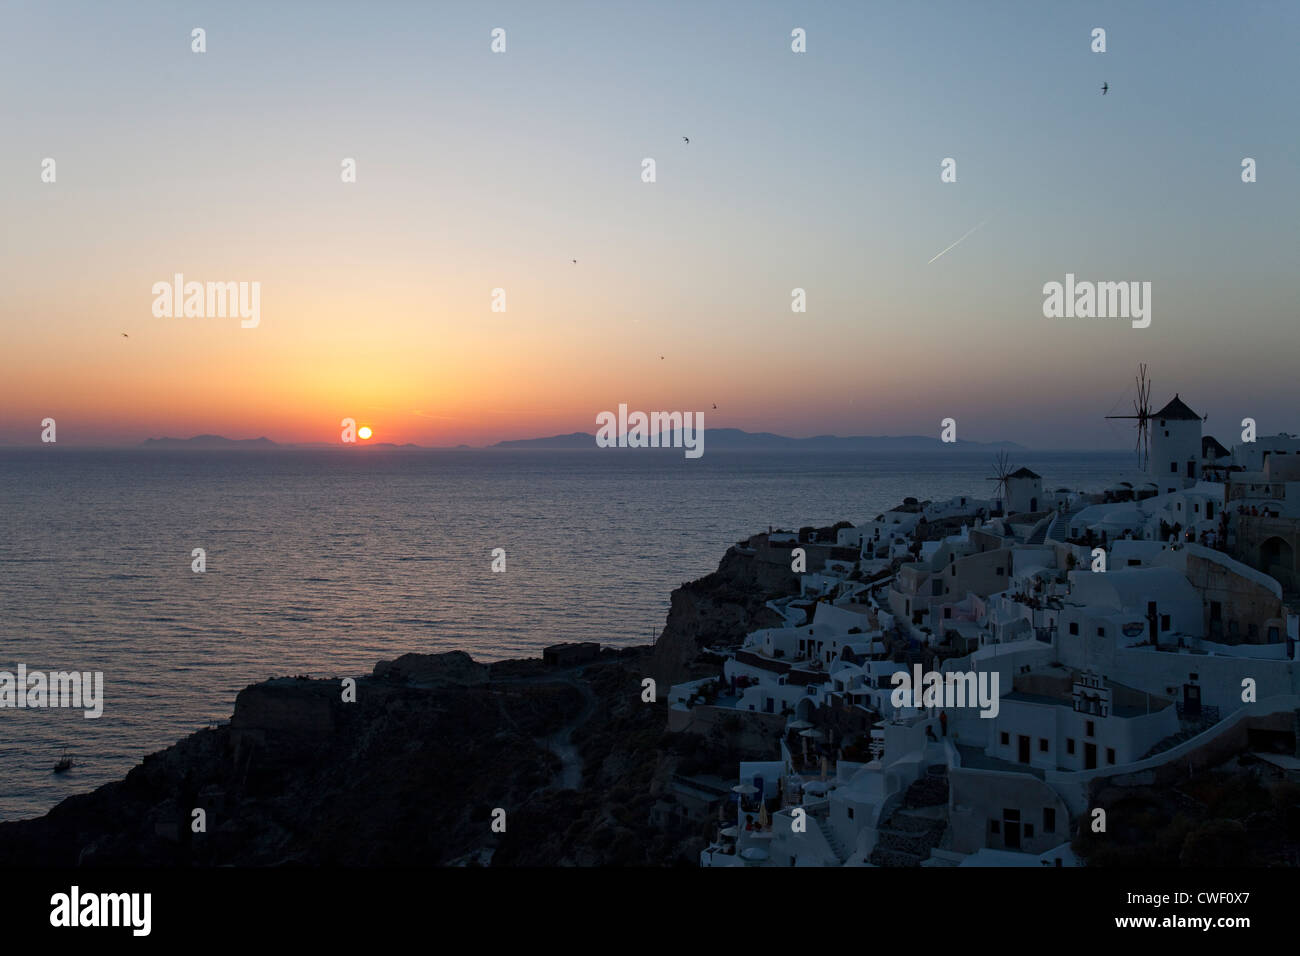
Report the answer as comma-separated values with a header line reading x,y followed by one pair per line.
x,y
1089,756
1191,700
1011,829
1024,748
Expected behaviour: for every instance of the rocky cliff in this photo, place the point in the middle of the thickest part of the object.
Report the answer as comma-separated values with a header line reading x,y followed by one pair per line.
x,y
718,610
412,770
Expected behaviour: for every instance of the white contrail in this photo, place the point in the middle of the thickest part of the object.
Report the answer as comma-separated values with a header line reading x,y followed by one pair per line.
x,y
959,240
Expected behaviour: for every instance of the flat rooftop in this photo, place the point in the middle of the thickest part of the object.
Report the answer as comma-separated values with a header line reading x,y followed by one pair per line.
x,y
974,758
1117,710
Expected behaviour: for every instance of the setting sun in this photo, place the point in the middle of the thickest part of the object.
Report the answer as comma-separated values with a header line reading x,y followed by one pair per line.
x,y
364,432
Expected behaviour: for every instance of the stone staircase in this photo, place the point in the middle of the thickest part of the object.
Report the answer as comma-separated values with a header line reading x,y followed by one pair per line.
x,y
915,827
836,844
1060,529
1187,730
1040,531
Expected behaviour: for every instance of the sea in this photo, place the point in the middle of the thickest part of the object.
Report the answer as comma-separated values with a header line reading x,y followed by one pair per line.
x,y
324,562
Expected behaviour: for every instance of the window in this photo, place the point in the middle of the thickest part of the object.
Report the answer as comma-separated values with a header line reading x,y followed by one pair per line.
x,y
1074,627
1110,755
850,813
947,612
1164,622
1049,820
1029,830
1173,465
1006,738
1001,571
995,827
1069,745
1042,745
1091,729
1101,632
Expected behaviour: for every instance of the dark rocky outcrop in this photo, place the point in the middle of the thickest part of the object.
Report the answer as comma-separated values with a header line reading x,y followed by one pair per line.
x,y
411,772
719,609
453,669
405,775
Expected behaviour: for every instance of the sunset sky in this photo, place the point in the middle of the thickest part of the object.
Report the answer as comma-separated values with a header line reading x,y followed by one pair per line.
x,y
479,170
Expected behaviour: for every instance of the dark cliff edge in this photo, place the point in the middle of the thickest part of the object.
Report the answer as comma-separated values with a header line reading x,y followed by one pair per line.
x,y
411,772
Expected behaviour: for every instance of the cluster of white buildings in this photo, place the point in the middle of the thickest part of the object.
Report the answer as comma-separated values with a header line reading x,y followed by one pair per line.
x,y
1148,624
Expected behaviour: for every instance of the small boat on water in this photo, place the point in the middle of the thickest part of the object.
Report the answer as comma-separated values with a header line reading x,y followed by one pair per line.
x,y
64,764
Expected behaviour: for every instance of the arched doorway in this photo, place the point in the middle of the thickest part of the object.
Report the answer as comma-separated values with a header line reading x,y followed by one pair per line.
x,y
1277,551
1277,558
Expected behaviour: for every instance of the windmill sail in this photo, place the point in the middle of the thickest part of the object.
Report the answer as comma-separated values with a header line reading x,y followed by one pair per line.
x,y
1141,416
1002,467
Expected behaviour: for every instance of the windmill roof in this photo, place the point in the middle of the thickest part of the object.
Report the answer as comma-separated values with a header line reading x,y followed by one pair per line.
x,y
1023,473
1178,411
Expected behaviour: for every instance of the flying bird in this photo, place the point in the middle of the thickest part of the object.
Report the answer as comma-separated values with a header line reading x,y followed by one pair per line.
x,y
125,336
715,404
661,358
1104,87
575,262
686,139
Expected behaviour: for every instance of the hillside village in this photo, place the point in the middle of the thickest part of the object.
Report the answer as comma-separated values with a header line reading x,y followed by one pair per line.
x,y
1135,636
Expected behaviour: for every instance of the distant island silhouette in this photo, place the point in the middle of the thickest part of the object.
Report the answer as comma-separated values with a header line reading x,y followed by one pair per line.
x,y
725,439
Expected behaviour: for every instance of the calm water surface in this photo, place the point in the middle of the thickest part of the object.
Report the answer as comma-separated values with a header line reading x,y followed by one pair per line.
x,y
323,562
